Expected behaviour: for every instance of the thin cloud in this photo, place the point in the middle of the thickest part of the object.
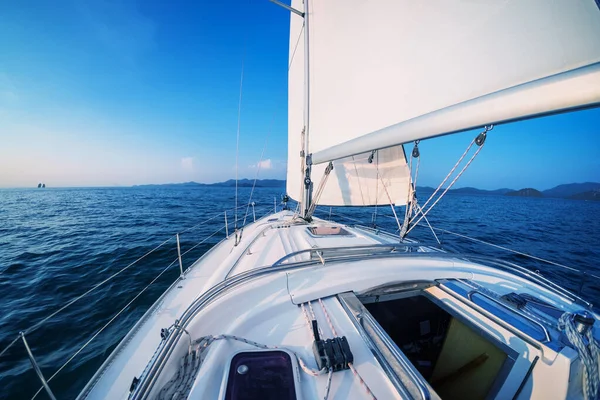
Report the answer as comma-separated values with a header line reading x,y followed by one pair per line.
x,y
187,164
264,165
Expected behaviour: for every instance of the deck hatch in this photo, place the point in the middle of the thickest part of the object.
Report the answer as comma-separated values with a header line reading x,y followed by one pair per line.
x,y
266,375
328,231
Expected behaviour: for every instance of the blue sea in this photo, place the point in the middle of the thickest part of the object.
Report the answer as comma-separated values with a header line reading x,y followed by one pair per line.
x,y
55,244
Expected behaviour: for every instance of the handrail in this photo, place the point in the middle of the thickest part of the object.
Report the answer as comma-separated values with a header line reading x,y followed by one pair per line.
x,y
351,251
39,324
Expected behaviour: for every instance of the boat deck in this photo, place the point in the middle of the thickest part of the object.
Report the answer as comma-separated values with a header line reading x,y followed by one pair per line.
x,y
323,260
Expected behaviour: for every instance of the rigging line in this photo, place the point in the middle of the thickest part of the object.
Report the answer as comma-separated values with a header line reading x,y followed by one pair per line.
x,y
509,250
296,47
258,168
392,205
342,216
374,218
202,241
408,197
204,222
237,140
419,209
449,173
362,197
448,188
107,324
320,189
10,345
37,325
361,381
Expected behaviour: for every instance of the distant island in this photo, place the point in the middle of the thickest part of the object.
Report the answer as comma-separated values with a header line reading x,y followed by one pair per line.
x,y
527,192
573,191
589,195
265,183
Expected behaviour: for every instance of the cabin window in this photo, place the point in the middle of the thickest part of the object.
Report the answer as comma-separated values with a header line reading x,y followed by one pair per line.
x,y
456,360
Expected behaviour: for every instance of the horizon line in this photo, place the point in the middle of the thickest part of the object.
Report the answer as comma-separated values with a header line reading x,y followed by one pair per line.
x,y
248,179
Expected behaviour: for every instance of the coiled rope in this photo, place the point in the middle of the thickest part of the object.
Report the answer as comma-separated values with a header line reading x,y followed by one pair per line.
x,y
589,353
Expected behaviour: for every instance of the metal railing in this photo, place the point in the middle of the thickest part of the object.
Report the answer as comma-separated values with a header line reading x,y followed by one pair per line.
x,y
182,272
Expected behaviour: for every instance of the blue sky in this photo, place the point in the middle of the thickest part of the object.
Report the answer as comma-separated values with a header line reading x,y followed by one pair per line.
x,y
97,93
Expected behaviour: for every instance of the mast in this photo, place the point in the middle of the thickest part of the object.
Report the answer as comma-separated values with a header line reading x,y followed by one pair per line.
x,y
305,158
307,193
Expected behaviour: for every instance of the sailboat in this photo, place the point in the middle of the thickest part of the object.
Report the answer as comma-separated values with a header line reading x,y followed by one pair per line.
x,y
293,306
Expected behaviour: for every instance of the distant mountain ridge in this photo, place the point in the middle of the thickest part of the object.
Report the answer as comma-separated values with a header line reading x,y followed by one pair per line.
x,y
527,192
571,189
574,191
273,183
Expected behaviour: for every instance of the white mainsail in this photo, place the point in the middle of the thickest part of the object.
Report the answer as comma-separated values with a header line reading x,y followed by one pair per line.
x,y
389,72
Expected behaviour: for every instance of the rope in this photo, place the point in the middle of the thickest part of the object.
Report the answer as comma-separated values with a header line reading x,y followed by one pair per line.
x,y
307,319
449,173
34,327
391,205
302,364
343,216
419,209
314,317
354,371
296,47
362,197
374,218
328,385
309,326
411,198
588,353
202,241
408,210
319,191
423,214
509,250
237,140
258,169
76,299
362,381
106,325
205,221
328,319
10,345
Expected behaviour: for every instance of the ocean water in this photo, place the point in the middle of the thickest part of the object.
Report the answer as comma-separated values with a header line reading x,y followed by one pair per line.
x,y
55,244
